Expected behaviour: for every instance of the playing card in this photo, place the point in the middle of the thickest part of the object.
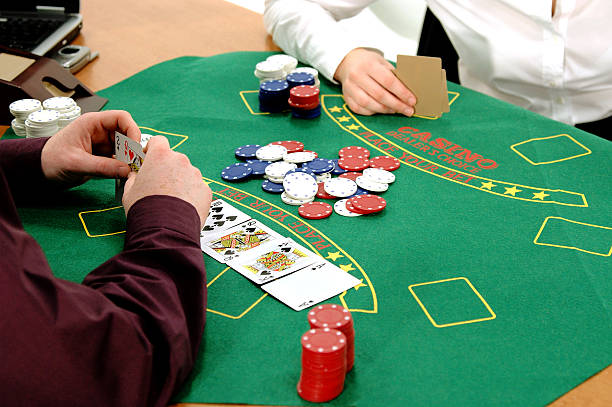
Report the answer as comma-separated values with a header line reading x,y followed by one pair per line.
x,y
444,97
311,285
225,245
144,139
422,76
272,260
128,151
222,216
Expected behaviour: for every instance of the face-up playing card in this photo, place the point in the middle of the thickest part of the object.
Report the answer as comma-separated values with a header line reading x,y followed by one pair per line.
x,y
311,285
222,216
272,260
128,151
225,245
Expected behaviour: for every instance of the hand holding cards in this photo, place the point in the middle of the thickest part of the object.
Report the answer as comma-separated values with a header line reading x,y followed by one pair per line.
x,y
129,152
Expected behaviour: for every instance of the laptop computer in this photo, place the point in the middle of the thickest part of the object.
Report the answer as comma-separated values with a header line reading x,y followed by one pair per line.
x,y
39,26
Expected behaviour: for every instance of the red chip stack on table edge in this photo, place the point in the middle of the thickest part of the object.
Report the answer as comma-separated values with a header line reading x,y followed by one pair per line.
x,y
336,317
323,365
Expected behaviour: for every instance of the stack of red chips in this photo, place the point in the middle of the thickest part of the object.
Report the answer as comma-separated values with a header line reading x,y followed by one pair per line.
x,y
323,365
304,101
336,317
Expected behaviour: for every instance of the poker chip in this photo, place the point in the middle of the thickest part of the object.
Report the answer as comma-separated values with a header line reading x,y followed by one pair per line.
x,y
320,165
360,191
247,152
353,163
273,95
272,187
304,170
385,162
258,166
19,128
292,146
371,185
315,210
306,113
367,204
351,208
379,175
236,172
299,157
299,78
312,71
271,152
304,95
292,201
323,177
351,175
340,187
336,317
60,104
321,193
354,151
337,170
269,70
299,185
279,169
43,123
341,209
314,152
286,61
21,108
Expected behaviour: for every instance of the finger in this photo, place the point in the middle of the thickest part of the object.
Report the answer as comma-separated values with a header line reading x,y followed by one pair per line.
x,y
363,98
387,99
157,143
386,78
129,183
356,108
121,121
97,166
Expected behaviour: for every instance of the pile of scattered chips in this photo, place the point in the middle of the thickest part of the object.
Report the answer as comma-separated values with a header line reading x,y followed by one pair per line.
x,y
35,119
300,176
327,353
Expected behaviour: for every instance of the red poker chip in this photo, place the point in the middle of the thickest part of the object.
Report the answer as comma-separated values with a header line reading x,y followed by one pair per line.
x,y
385,162
323,341
354,151
301,106
353,163
367,204
351,208
292,146
351,175
304,94
321,193
329,316
314,152
315,210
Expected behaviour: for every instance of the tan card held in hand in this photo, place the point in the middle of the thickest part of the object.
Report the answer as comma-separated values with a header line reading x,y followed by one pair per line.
x,y
422,76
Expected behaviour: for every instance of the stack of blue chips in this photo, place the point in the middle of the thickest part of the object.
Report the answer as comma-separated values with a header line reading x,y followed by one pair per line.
x,y
273,96
300,78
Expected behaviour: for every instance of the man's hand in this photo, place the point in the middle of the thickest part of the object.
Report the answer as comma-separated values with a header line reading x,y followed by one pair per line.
x,y
84,148
370,87
166,172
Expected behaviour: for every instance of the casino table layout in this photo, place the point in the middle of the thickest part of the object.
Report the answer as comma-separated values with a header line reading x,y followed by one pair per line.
x,y
485,281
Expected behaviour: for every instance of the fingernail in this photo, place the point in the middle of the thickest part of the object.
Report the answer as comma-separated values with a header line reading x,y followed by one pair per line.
x,y
409,111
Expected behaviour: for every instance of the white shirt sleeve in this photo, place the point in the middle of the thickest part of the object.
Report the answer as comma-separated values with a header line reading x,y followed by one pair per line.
x,y
309,30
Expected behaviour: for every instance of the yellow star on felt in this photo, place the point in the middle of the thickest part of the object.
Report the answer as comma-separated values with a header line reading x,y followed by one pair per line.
x,y
352,127
335,109
344,119
512,191
487,185
361,284
540,195
347,267
333,256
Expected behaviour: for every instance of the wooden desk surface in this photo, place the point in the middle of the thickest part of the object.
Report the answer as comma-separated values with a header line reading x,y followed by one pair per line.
x,y
132,36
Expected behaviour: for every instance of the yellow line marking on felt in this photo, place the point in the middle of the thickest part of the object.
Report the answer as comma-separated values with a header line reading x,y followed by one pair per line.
x,y
512,147
471,321
246,311
374,310
535,240
455,170
94,211
242,92
456,95
184,137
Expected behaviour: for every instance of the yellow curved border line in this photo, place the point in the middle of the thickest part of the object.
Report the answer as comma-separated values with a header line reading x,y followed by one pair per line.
x,y
585,204
242,92
535,240
184,137
98,210
246,311
512,147
471,321
348,256
449,103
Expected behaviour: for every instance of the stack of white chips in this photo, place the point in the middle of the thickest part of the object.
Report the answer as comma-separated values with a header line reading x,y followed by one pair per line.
x,y
66,107
269,70
311,71
43,123
288,62
21,109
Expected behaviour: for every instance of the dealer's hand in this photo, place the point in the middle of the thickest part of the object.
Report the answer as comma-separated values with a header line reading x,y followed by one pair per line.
x,y
85,147
166,172
370,87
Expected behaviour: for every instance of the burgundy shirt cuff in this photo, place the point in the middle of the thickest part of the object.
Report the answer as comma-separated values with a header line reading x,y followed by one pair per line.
x,y
20,160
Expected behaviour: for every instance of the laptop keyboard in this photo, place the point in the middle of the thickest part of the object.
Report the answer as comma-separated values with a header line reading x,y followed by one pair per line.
x,y
26,33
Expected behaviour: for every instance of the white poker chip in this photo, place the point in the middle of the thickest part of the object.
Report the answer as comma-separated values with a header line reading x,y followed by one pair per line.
x,y
300,157
271,152
340,187
379,175
24,107
276,180
287,61
269,69
340,209
60,103
279,169
299,185
323,177
371,185
292,201
44,117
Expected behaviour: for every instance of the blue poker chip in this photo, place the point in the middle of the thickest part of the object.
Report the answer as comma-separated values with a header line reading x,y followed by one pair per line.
x,y
273,106
337,170
236,172
274,87
319,165
306,114
360,191
300,78
258,166
247,152
272,187
303,169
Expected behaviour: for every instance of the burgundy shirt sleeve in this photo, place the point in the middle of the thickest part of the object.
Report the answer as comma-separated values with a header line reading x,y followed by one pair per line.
x,y
20,161
127,336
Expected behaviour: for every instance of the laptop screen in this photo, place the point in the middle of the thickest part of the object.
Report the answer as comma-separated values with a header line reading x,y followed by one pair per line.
x,y
70,6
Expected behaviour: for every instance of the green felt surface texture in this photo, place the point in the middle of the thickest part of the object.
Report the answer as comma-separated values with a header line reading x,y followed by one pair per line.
x,y
486,280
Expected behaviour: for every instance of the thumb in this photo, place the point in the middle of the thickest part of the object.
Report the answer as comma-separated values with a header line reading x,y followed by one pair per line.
x,y
103,167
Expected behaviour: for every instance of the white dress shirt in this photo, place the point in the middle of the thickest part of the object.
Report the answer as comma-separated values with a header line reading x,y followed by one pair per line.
x,y
556,64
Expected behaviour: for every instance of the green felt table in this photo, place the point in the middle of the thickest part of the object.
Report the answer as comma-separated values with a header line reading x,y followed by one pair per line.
x,y
485,281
